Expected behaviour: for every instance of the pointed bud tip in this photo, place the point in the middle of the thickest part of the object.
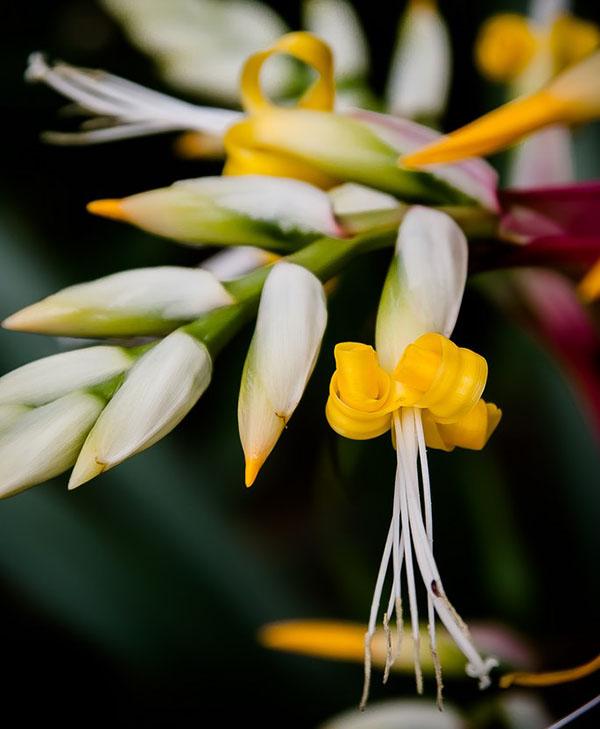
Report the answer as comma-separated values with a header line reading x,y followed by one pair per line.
x,y
253,466
25,320
109,208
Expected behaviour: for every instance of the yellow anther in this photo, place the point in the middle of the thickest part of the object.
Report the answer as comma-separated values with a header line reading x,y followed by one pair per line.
x,y
572,39
449,379
505,46
472,431
306,48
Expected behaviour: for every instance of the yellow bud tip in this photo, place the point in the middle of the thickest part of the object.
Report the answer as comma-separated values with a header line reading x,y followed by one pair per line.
x,y
253,466
82,475
20,321
494,131
109,208
320,638
589,286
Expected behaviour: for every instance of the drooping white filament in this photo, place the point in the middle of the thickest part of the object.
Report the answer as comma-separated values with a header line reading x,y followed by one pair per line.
x,y
410,533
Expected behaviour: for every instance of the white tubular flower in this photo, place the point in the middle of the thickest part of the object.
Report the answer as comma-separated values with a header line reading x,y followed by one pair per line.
x,y
201,45
428,392
47,379
139,302
422,295
268,212
122,109
424,287
291,321
158,392
420,73
336,22
45,441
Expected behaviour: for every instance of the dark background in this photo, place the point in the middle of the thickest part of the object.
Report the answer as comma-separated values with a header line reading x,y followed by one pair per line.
x,y
137,598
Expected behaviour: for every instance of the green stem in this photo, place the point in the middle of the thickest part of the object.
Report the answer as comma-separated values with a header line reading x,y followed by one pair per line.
x,y
325,257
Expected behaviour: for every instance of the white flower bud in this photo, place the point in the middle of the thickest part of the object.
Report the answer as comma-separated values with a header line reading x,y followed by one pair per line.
x,y
45,441
138,302
158,392
52,377
289,328
425,283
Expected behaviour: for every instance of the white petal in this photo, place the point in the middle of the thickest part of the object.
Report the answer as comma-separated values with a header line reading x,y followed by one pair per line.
x,y
290,204
336,22
398,714
425,284
52,377
158,392
420,71
289,329
474,177
141,301
45,441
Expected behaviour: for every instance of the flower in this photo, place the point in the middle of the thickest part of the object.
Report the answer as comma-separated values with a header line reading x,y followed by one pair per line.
x,y
428,391
291,321
130,303
156,394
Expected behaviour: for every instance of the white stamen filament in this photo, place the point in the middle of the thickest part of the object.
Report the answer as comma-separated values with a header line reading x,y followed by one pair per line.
x,y
401,488
429,529
408,531
131,109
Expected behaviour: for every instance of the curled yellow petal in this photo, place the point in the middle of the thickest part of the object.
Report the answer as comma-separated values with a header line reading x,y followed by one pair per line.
x,y
306,48
362,395
551,678
472,431
446,379
246,154
505,46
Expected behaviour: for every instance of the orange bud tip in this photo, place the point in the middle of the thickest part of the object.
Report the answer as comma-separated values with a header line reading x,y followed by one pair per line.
x,y
253,466
110,208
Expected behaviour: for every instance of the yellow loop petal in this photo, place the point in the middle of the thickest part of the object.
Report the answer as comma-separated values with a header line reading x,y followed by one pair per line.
x,y
472,431
449,379
305,47
505,46
245,156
